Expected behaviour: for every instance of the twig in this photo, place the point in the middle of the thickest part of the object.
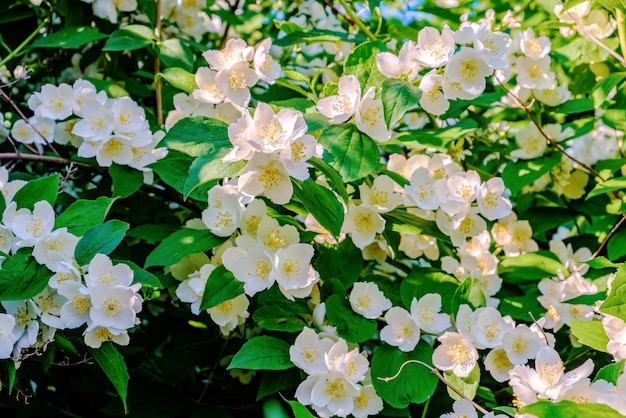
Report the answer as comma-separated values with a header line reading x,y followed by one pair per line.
x,y
545,337
357,21
233,9
21,46
612,232
157,67
338,12
440,377
546,136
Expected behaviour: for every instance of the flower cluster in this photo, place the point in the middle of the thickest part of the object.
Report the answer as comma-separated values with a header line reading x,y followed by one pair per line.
x,y
112,130
109,9
338,382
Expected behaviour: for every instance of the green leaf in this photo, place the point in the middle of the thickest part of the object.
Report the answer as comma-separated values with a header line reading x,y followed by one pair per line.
x,y
330,262
616,248
423,280
262,353
82,215
274,381
174,53
601,91
332,176
70,38
126,180
615,303
350,325
100,239
569,409
610,372
590,333
197,136
11,373
46,188
466,385
112,89
180,78
22,277
415,384
469,293
65,345
314,36
518,307
348,151
220,287
611,185
180,244
129,38
321,203
601,262
173,169
529,267
361,62
438,138
299,410
398,96
518,174
281,315
403,221
112,363
211,167
575,106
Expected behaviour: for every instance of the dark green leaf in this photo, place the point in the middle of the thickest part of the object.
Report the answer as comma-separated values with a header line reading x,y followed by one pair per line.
x,y
518,174
616,247
415,384
174,169
140,275
330,262
174,53
22,277
314,36
181,243
197,136
361,62
100,239
220,287
350,325
129,38
402,221
276,380
126,180
299,410
70,38
82,215
348,151
11,373
112,363
439,138
422,281
46,188
321,203
332,176
211,167
262,353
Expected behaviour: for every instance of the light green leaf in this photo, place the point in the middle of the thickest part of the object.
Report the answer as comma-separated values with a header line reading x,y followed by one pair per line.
x,y
361,62
100,239
415,384
469,293
569,409
466,385
181,243
180,78
220,287
590,333
174,53
611,372
611,185
211,167
126,180
82,215
348,151
70,38
615,303
46,188
402,221
601,91
299,410
262,353
112,363
350,325
398,97
22,277
314,36
129,38
321,203
174,169
529,267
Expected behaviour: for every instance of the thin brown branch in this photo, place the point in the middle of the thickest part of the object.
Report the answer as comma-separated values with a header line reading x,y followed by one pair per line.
x,y
338,13
618,225
547,137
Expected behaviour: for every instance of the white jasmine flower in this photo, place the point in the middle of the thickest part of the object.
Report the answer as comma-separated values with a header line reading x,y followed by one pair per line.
x,y
456,353
402,330
521,344
491,203
74,312
95,335
102,271
381,195
330,394
534,73
235,51
469,69
55,101
113,306
349,362
433,100
434,49
192,290
265,175
97,123
498,364
363,223
534,47
462,408
367,300
309,350
340,108
208,91
426,313
29,227
370,117
231,313
265,66
403,65
235,82
7,338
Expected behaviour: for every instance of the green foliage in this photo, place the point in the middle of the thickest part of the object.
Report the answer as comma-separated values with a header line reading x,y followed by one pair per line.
x,y
590,333
82,215
112,363
22,276
262,353
221,286
129,38
565,409
70,38
353,154
350,325
43,189
100,239
181,243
